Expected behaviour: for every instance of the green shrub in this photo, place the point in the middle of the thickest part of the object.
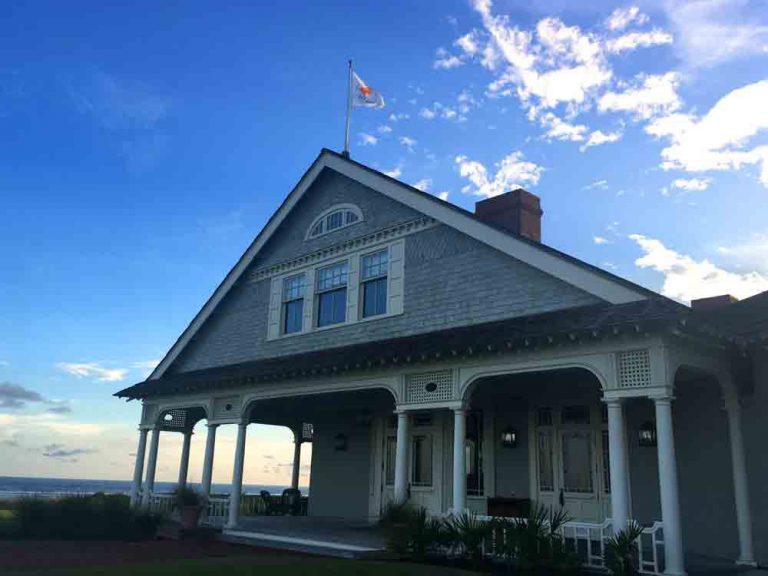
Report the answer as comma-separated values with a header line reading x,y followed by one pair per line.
x,y
97,517
187,497
621,555
467,534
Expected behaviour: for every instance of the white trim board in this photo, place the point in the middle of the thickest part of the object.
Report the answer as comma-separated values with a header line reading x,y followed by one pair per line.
x,y
588,280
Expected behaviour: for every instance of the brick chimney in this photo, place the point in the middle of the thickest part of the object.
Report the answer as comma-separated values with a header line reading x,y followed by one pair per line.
x,y
713,302
517,211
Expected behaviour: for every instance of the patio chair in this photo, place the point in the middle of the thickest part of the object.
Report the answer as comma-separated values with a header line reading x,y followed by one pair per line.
x,y
271,508
291,501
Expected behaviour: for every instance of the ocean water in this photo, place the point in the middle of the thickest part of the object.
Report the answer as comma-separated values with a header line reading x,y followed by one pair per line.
x,y
16,487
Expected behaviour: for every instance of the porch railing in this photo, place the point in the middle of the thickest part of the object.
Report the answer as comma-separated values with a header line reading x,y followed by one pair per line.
x,y
588,540
217,510
162,503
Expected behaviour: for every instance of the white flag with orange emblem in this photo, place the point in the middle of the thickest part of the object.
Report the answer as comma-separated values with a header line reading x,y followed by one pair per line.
x,y
363,96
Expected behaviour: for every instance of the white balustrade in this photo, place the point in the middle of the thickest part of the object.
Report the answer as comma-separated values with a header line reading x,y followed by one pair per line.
x,y
589,540
217,511
162,503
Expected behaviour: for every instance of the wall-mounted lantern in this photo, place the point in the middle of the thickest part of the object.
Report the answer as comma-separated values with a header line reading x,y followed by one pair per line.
x,y
646,434
509,437
340,443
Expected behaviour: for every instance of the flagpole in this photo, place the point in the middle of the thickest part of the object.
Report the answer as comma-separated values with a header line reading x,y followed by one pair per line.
x,y
349,112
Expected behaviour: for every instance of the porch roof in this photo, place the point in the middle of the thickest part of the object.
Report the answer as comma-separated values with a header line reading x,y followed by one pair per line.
x,y
516,333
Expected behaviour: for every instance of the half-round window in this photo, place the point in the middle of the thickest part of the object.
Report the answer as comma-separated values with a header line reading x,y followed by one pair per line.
x,y
335,218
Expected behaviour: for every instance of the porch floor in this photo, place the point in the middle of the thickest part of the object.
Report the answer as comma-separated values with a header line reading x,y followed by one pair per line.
x,y
314,535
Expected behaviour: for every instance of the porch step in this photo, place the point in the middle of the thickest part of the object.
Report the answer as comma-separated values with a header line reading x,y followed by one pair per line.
x,y
304,545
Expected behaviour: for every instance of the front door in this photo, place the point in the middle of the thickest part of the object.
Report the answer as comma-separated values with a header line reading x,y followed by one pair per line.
x,y
570,460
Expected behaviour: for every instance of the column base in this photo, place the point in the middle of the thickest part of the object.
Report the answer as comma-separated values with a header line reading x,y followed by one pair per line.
x,y
670,573
748,563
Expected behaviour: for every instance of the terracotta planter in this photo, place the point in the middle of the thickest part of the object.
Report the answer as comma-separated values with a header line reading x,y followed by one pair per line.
x,y
190,516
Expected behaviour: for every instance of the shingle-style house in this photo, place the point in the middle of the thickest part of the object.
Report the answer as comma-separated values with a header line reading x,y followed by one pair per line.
x,y
451,359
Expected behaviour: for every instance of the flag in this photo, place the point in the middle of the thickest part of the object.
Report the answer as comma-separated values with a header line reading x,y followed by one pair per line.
x,y
363,96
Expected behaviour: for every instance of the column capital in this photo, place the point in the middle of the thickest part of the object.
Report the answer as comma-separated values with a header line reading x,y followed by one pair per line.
x,y
212,425
662,399
613,400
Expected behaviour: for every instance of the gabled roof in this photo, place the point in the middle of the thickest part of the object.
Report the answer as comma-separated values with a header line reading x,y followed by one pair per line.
x,y
746,318
591,279
549,328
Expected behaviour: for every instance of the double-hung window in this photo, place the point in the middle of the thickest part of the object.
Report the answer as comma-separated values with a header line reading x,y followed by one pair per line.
x,y
374,279
293,304
332,294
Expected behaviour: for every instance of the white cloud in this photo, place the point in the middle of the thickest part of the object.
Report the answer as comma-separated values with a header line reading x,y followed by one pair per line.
x,y
446,61
396,172
687,279
367,139
52,423
443,196
424,184
398,116
719,139
597,184
691,184
751,254
408,142
468,43
623,17
650,96
711,32
559,129
93,370
635,40
428,113
598,137
511,173
384,129
599,240
4,363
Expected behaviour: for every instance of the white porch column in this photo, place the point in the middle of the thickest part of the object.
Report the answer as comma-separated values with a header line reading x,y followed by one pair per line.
x,y
401,459
138,468
184,462
296,460
210,443
617,455
237,477
670,496
740,484
149,483
459,461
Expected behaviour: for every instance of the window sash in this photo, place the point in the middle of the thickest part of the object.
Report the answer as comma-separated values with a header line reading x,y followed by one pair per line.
x,y
375,265
293,316
375,297
421,461
474,453
334,220
332,307
293,288
332,277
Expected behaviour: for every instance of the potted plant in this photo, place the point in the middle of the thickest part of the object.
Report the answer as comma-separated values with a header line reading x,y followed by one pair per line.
x,y
190,505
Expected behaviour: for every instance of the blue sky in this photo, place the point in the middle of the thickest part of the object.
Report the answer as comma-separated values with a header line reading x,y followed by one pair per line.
x,y
144,146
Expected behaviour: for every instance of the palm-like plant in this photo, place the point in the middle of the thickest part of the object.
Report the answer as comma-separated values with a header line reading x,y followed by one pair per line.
x,y
467,533
621,554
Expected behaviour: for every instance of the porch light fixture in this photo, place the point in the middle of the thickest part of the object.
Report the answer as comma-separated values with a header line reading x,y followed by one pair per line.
x,y
509,437
646,434
340,443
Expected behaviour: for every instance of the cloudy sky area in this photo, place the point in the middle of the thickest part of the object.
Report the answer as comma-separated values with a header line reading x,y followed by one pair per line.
x,y
143,148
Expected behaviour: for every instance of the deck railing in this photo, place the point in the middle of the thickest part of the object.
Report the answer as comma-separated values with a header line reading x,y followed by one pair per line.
x,y
588,540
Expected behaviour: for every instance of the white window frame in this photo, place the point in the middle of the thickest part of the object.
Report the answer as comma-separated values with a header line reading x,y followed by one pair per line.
x,y
363,281
395,290
344,208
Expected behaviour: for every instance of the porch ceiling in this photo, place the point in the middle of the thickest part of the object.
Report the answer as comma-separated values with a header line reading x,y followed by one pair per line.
x,y
601,320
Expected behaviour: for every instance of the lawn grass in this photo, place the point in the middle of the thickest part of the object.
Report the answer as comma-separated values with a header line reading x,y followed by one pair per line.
x,y
254,566
6,514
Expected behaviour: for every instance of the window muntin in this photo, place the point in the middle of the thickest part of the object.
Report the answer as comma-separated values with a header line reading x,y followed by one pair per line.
x,y
335,218
421,460
374,275
332,294
474,453
293,304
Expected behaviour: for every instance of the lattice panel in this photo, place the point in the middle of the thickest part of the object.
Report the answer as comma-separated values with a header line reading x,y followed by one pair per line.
x,y
634,369
307,432
429,386
174,419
